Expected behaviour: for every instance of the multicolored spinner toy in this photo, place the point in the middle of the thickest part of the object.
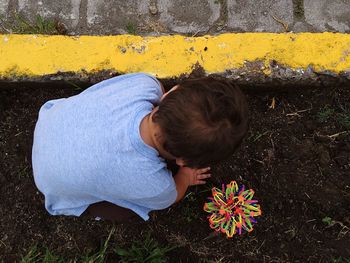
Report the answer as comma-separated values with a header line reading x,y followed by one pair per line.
x,y
232,209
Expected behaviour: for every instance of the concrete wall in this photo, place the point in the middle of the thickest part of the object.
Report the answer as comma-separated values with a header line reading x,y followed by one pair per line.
x,y
194,17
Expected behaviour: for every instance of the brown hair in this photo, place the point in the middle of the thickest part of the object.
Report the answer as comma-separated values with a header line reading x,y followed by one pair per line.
x,y
203,121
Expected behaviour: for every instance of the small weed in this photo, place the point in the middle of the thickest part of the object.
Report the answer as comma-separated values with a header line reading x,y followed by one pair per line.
x,y
76,87
341,116
147,251
325,113
24,172
328,221
131,28
36,255
100,256
20,25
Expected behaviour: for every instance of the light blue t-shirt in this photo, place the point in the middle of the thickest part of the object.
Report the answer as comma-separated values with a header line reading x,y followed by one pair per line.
x,y
88,148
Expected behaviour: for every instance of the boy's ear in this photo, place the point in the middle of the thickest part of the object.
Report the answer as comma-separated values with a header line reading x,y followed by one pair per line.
x,y
180,162
172,89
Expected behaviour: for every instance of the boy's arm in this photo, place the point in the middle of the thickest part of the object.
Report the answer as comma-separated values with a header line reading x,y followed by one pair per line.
x,y
187,177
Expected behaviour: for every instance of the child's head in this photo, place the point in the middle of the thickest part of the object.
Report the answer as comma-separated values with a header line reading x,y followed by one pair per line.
x,y
202,121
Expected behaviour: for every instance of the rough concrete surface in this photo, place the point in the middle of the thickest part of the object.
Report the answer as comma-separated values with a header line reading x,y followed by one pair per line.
x,y
179,17
66,11
325,15
109,17
259,16
3,7
196,17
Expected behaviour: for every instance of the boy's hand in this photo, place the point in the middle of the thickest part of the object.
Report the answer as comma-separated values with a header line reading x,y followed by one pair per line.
x,y
195,176
187,176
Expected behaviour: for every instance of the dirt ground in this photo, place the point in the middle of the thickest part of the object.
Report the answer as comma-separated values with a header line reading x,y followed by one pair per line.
x,y
296,157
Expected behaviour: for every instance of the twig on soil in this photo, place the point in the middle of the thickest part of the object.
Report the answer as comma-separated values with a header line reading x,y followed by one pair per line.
x,y
337,134
258,161
344,229
307,195
273,103
273,145
3,243
312,220
297,112
18,134
257,250
319,169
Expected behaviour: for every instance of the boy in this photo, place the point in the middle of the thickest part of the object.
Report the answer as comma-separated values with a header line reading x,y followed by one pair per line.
x,y
104,149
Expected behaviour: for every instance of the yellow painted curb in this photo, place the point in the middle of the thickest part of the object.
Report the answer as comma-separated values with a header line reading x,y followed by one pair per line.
x,y
170,56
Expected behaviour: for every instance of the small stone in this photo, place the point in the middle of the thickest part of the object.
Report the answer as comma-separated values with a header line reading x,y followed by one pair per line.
x,y
153,9
265,13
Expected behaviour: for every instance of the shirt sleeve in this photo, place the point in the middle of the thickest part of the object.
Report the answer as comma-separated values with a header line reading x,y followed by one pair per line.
x,y
162,198
161,201
134,83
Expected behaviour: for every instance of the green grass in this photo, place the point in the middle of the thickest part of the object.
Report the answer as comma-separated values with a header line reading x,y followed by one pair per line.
x,y
254,137
44,255
75,86
325,114
36,255
131,28
328,221
21,25
24,172
147,251
341,115
100,256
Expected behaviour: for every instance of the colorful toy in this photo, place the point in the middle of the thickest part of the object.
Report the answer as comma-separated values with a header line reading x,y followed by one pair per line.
x,y
232,210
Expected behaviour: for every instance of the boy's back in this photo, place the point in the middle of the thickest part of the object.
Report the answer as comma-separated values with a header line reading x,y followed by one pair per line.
x,y
88,148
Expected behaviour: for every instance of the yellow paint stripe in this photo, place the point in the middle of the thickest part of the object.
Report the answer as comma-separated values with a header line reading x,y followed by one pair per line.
x,y
170,56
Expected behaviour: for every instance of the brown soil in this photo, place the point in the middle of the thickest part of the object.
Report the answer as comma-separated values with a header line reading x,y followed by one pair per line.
x,y
296,157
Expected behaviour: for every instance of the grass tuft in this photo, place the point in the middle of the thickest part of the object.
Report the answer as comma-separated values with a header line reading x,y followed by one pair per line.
x,y
148,251
36,255
100,256
131,28
21,25
325,114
